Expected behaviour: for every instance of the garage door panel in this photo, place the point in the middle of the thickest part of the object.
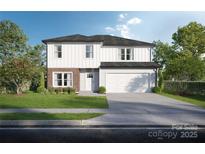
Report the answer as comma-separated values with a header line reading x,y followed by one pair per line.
x,y
138,83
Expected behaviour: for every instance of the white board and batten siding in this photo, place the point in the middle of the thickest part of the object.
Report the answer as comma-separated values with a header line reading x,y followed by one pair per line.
x,y
73,55
127,80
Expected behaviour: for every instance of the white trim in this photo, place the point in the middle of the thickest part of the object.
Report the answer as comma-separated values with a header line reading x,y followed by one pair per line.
x,y
62,80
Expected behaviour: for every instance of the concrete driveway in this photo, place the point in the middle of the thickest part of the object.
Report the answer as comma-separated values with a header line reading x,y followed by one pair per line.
x,y
148,109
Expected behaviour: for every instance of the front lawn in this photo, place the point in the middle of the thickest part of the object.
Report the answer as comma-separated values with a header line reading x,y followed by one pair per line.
x,y
35,100
48,116
196,100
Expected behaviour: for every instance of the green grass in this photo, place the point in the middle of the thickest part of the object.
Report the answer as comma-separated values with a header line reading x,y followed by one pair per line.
x,y
35,100
196,100
48,116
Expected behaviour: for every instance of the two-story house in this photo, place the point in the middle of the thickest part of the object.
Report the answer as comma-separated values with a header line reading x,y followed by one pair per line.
x,y
87,62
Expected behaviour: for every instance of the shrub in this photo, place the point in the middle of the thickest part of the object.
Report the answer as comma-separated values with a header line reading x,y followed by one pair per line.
x,y
185,87
28,92
65,90
71,91
3,90
101,90
40,90
51,90
41,87
46,91
58,90
156,90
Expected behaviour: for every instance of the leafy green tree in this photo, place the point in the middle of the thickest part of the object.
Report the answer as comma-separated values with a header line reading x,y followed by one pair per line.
x,y
37,55
17,72
163,52
19,62
181,60
185,68
12,40
190,38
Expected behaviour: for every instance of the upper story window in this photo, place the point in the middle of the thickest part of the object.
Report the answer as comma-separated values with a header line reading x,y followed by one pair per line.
x,y
89,51
58,51
127,54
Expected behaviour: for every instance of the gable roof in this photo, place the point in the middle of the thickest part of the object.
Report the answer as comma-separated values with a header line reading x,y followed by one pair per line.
x,y
129,65
107,40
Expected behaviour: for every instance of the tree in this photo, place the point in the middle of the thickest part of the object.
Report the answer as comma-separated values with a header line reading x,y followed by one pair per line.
x,y
190,38
181,60
163,52
185,68
19,62
17,72
12,40
37,55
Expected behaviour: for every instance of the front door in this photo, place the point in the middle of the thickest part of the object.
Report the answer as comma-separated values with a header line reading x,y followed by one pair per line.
x,y
90,82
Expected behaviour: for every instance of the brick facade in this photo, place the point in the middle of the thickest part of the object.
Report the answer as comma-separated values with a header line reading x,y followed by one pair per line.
x,y
76,76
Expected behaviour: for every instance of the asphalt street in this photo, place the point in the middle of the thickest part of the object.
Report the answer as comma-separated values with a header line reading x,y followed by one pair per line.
x,y
101,135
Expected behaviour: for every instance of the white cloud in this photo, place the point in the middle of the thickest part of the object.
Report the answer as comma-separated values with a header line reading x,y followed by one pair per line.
x,y
122,16
124,27
109,29
124,30
134,21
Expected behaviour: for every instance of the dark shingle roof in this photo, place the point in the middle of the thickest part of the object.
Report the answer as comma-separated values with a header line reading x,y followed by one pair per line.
x,y
129,65
107,40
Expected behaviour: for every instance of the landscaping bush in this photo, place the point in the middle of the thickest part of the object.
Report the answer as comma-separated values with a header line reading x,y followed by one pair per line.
x,y
71,91
3,90
58,90
65,90
51,90
41,88
185,87
101,90
156,90
28,92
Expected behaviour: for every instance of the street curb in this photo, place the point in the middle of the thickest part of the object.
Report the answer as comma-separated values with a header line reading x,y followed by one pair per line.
x,y
79,124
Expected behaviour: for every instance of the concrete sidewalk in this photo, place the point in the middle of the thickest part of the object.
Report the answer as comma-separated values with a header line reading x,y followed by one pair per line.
x,y
55,110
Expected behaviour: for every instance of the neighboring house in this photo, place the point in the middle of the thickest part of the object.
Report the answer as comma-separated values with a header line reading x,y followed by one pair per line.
x,y
87,62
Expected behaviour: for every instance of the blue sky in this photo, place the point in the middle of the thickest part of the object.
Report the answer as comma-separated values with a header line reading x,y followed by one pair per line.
x,y
145,26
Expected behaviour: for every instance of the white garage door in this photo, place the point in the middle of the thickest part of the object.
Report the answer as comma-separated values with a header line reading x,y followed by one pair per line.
x,y
122,83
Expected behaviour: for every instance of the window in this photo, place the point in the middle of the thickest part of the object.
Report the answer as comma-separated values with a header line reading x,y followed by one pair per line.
x,y
89,51
122,54
126,54
58,79
130,54
63,79
58,51
89,75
